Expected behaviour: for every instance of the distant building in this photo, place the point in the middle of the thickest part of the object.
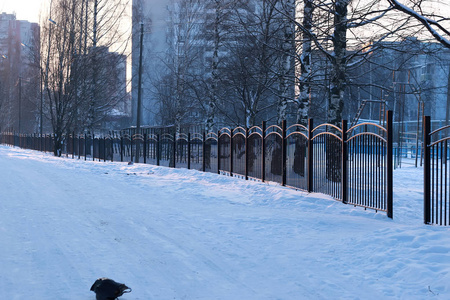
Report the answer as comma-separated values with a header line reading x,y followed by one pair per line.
x,y
101,76
19,74
113,88
406,75
177,44
154,16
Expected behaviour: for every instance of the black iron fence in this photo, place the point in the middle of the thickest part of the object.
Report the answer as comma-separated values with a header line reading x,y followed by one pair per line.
x,y
353,165
436,174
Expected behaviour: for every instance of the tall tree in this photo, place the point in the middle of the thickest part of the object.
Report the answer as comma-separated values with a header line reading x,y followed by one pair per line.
x,y
305,64
286,81
70,55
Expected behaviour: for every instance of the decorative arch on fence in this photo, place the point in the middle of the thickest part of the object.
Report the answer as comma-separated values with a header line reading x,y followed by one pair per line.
x,y
351,165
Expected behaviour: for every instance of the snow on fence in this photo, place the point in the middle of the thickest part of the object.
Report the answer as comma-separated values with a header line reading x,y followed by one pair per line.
x,y
353,165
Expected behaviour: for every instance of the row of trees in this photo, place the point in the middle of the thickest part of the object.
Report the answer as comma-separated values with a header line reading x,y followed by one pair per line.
x,y
279,59
228,62
81,79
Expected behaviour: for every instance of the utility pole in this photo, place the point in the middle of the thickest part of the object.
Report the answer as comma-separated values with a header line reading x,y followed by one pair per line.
x,y
20,104
139,103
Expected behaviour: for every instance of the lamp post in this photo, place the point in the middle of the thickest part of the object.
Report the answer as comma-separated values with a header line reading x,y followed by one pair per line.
x,y
139,103
20,105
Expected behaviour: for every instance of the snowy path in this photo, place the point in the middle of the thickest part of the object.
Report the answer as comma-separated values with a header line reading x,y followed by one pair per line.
x,y
180,234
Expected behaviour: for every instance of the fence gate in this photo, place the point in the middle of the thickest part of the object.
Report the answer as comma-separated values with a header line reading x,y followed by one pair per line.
x,y
436,174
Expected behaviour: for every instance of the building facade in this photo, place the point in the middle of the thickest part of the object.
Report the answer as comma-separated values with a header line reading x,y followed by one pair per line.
x,y
19,74
182,54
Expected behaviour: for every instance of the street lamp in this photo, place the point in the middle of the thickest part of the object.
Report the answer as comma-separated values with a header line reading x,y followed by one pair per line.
x,y
139,104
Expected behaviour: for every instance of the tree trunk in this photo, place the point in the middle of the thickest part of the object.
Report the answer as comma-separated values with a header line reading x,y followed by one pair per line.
x,y
338,81
287,56
305,66
338,78
210,120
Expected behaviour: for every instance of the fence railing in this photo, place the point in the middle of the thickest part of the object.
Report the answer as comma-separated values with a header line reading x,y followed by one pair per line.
x,y
436,174
353,165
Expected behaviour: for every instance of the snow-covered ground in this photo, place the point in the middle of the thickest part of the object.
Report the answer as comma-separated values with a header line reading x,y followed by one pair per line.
x,y
183,234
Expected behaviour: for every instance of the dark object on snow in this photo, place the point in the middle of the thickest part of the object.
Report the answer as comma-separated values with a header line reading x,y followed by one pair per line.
x,y
108,289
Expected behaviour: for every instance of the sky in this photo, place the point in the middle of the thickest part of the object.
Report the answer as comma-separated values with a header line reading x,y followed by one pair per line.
x,y
25,9
30,9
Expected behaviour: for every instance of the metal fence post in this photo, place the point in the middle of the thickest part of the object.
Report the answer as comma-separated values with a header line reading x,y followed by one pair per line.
x,y
218,152
104,149
189,151
122,148
93,147
231,152
85,146
112,146
310,177
389,167
145,148
174,149
203,152
246,154
426,170
158,150
344,178
263,151
283,153
73,144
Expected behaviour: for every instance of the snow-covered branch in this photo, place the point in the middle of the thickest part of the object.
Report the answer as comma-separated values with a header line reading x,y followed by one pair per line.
x,y
426,21
369,21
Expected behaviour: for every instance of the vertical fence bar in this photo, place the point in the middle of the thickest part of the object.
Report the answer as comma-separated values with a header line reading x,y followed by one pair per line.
x,y
85,146
145,147
441,158
231,152
218,152
122,148
93,147
445,183
426,170
104,148
189,151
158,149
112,147
433,177
203,152
389,167
246,154
78,146
310,157
344,178
73,144
283,153
263,151
174,146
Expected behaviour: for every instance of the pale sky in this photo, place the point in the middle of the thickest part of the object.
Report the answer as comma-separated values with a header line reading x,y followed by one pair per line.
x,y
30,9
25,9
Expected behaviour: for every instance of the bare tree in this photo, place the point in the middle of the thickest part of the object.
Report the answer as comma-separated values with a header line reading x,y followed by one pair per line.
x,y
432,22
76,64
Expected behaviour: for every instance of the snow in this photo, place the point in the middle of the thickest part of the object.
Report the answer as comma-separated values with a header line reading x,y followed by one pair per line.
x,y
183,234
